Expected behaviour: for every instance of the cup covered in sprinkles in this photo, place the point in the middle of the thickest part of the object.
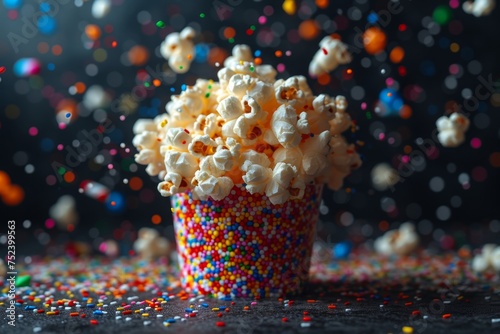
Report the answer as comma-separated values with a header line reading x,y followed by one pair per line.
x,y
244,160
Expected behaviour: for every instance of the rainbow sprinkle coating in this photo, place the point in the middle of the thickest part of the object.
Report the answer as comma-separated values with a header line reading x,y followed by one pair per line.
x,y
243,245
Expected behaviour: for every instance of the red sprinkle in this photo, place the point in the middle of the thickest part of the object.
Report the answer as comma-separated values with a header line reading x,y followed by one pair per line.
x,y
415,313
220,324
331,306
408,303
94,322
306,313
40,311
325,51
446,316
74,314
219,315
192,315
311,301
284,319
307,319
127,312
347,303
83,316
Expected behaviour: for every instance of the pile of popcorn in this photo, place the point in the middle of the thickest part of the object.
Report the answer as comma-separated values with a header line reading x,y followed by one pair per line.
x,y
272,136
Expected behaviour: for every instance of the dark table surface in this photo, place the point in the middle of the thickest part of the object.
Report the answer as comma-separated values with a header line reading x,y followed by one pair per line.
x,y
364,294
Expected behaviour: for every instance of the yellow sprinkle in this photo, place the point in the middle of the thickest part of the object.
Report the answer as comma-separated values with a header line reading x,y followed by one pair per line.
x,y
120,308
215,309
166,324
32,293
163,123
1,303
51,313
137,311
99,305
407,329
145,314
160,299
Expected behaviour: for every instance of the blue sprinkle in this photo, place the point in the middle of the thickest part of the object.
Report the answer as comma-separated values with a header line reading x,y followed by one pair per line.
x,y
189,310
172,89
183,87
29,307
170,321
51,66
372,17
227,298
204,305
257,53
98,312
91,305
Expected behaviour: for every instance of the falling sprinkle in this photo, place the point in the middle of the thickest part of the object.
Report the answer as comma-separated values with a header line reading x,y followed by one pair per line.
x,y
160,24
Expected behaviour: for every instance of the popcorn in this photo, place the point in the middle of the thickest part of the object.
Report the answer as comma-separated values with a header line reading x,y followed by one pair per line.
x,y
172,183
489,259
315,152
452,130
479,7
209,125
64,212
331,54
384,176
178,49
398,242
286,128
290,92
150,245
186,107
208,185
241,53
182,163
256,177
342,159
202,146
272,136
284,184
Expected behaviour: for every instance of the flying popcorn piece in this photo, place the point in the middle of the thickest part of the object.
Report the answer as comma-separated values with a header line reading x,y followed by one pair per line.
x,y
384,176
64,212
315,150
179,50
401,242
150,244
479,7
101,8
331,54
452,129
488,259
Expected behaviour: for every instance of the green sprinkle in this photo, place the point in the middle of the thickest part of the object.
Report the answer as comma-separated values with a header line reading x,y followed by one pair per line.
x,y
23,281
368,115
207,95
252,27
209,86
231,40
146,84
202,15
61,170
181,67
251,68
160,24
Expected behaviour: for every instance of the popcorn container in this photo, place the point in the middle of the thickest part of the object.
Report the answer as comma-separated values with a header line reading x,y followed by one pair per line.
x,y
244,246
